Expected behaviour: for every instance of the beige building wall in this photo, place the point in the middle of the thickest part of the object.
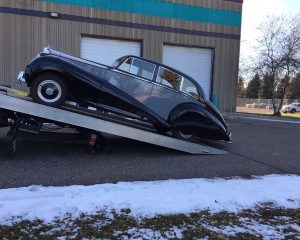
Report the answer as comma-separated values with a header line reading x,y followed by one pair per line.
x,y
23,34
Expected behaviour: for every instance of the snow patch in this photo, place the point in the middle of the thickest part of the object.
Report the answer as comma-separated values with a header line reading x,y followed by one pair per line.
x,y
149,198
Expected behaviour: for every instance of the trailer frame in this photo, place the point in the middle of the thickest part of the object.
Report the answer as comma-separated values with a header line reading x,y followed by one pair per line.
x,y
21,109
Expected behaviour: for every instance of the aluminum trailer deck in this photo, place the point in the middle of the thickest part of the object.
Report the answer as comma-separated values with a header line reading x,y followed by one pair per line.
x,y
84,118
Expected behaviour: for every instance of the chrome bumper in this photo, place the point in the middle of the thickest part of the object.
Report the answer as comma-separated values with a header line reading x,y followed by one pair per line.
x,y
21,77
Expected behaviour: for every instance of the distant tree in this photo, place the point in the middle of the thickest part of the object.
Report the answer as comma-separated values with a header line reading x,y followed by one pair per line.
x,y
279,53
265,90
253,87
241,88
293,91
282,87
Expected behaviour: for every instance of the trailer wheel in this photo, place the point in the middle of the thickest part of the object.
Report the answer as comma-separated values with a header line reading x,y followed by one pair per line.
x,y
49,89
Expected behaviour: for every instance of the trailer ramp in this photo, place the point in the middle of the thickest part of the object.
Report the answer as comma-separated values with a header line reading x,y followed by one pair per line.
x,y
23,105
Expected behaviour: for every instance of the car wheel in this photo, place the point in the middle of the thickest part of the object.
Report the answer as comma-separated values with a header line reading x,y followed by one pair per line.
x,y
178,130
183,135
49,89
293,111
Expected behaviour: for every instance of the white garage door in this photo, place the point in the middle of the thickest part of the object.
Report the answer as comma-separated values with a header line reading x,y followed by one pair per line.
x,y
106,51
195,62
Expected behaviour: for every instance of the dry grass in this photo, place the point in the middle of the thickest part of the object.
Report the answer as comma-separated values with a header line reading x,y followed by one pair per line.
x,y
263,222
262,111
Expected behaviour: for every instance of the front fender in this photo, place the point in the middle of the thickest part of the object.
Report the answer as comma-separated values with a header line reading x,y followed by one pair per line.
x,y
55,64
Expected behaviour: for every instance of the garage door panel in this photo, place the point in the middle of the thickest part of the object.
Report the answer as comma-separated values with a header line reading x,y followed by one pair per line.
x,y
195,62
106,51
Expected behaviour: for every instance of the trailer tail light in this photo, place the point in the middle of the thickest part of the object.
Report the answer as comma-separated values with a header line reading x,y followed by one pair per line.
x,y
93,140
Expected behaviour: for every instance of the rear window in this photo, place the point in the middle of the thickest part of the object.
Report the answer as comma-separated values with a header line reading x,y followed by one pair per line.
x,y
177,82
169,78
189,88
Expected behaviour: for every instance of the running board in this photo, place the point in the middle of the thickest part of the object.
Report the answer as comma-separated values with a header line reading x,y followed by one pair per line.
x,y
21,105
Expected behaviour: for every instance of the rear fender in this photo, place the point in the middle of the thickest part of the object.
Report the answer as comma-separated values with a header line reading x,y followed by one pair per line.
x,y
196,119
187,109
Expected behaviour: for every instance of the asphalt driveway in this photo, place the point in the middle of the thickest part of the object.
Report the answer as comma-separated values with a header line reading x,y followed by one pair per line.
x,y
259,147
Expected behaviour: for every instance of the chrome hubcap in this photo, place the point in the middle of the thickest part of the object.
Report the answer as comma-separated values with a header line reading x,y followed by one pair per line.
x,y
49,91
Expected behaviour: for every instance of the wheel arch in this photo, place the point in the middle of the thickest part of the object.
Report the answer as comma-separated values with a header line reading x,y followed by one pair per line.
x,y
191,117
186,109
54,71
49,64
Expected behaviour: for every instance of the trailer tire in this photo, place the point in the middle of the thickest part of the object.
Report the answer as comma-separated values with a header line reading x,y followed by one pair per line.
x,y
49,89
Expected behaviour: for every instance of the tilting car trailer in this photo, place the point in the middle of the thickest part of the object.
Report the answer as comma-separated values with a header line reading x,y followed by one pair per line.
x,y
23,115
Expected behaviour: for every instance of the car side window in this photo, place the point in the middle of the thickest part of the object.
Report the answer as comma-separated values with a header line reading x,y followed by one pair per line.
x,y
125,66
169,78
189,88
176,81
138,67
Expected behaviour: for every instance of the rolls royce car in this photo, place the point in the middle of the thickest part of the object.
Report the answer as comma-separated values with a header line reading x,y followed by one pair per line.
x,y
132,86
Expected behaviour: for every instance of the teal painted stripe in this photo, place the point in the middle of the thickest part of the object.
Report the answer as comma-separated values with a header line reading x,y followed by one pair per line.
x,y
159,8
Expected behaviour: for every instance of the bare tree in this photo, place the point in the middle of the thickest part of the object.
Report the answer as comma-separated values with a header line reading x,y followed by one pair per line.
x,y
278,52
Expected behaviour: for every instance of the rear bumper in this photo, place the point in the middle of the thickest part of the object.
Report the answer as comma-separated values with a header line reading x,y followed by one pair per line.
x,y
21,77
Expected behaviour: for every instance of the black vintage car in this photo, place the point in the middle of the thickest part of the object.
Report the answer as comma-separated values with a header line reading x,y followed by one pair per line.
x,y
133,87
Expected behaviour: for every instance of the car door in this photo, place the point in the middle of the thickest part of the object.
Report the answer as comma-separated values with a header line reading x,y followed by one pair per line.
x,y
298,108
134,77
165,94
